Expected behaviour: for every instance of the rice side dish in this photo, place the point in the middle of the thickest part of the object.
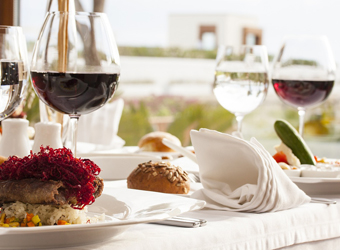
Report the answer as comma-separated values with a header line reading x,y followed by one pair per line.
x,y
50,215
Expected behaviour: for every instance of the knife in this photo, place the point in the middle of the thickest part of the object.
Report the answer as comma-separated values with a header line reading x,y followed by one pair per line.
x,y
182,222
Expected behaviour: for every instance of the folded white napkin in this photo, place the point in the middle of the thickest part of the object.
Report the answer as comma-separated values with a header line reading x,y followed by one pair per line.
x,y
238,175
101,126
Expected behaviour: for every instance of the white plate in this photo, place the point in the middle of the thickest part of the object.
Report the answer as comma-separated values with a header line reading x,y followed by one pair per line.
x,y
305,173
86,147
293,172
119,166
123,208
311,180
171,155
317,186
162,155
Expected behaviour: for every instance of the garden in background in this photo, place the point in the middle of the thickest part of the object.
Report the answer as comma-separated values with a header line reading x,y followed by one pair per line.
x,y
178,114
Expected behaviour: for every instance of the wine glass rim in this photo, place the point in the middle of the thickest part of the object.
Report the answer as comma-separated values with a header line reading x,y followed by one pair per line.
x,y
78,13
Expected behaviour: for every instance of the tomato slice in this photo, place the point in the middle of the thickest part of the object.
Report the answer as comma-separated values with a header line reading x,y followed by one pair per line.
x,y
280,157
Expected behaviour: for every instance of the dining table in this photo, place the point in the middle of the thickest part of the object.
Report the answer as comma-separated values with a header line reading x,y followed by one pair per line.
x,y
314,225
310,226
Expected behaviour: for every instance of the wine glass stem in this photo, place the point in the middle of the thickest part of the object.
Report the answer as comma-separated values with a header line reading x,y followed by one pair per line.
x,y
301,112
239,119
73,133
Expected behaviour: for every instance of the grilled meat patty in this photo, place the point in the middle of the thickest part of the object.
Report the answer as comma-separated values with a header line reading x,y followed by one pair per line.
x,y
35,191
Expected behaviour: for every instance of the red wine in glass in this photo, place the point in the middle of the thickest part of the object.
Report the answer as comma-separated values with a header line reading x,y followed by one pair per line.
x,y
303,72
75,64
74,93
302,93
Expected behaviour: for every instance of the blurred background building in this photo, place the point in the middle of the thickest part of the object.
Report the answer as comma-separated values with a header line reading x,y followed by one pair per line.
x,y
207,31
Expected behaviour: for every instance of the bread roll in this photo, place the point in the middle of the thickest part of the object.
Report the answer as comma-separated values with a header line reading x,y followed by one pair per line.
x,y
152,142
3,159
159,177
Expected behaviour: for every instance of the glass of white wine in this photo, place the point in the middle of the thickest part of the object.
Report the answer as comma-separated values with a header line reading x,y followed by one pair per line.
x,y
241,79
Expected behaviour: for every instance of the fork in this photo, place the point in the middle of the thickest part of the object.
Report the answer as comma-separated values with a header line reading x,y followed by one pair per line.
x,y
322,200
180,149
194,177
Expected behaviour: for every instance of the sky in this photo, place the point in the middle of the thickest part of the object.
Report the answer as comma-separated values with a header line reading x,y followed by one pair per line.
x,y
145,22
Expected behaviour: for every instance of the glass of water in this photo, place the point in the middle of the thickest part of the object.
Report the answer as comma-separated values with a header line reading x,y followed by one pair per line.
x,y
241,79
13,69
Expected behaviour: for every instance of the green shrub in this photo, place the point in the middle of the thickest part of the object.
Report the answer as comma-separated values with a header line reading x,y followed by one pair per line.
x,y
200,115
134,123
188,114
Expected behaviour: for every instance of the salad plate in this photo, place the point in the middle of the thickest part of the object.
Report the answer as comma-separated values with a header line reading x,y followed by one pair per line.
x,y
122,207
313,180
318,186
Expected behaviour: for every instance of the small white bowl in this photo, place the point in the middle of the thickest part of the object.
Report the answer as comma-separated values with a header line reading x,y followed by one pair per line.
x,y
321,170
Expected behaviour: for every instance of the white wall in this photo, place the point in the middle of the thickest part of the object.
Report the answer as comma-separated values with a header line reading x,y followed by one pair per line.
x,y
184,29
233,34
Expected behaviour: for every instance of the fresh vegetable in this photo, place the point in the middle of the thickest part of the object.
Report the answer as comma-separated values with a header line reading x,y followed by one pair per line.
x,y
14,224
35,219
29,216
292,139
30,224
280,157
2,218
63,222
30,221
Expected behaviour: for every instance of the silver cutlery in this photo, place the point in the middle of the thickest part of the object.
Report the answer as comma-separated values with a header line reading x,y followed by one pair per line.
x,y
180,149
194,177
182,222
322,200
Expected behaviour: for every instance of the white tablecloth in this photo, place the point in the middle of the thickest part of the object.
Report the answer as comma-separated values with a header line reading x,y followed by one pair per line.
x,y
297,228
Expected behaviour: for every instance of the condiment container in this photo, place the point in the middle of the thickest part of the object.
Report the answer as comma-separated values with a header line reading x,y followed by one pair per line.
x,y
47,134
14,140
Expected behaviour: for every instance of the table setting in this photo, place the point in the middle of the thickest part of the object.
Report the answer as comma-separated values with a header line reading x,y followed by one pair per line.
x,y
76,185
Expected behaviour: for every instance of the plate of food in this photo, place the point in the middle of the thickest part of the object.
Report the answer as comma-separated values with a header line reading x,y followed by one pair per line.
x,y
51,199
312,174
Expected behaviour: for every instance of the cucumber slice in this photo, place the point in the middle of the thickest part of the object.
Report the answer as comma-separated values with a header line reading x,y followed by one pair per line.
x,y
292,139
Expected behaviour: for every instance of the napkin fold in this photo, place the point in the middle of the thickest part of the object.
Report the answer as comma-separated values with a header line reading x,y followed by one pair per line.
x,y
238,175
101,126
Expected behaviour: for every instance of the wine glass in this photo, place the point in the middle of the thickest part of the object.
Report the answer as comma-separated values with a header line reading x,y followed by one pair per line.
x,y
241,79
13,69
75,65
304,73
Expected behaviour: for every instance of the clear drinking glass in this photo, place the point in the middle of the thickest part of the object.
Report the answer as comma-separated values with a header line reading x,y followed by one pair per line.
x,y
13,69
304,73
75,66
241,79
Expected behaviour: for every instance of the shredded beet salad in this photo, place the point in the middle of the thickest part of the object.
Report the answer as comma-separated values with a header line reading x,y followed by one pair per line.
x,y
78,175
